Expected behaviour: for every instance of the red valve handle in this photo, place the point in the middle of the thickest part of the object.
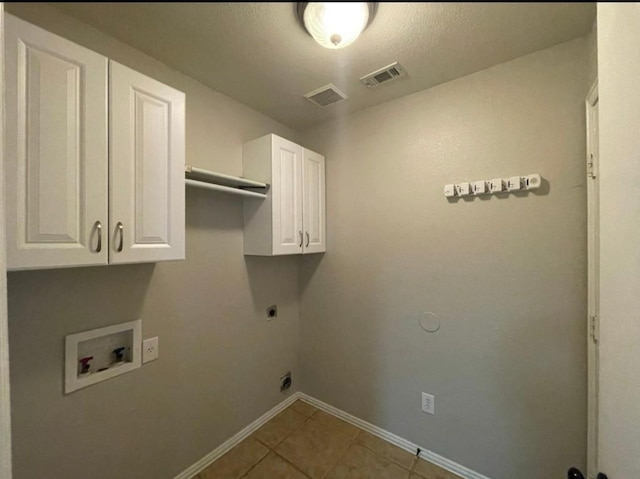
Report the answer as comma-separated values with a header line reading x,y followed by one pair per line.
x,y
85,361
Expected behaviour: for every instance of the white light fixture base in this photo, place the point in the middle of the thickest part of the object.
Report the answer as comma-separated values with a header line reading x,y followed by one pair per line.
x,y
335,25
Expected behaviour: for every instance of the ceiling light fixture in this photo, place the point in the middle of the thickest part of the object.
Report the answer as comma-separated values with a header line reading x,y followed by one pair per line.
x,y
335,24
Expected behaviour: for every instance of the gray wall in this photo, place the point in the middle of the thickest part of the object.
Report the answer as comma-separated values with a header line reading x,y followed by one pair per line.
x,y
220,361
619,117
506,276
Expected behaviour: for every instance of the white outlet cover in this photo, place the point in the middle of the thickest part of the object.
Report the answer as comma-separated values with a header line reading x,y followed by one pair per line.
x,y
149,350
428,403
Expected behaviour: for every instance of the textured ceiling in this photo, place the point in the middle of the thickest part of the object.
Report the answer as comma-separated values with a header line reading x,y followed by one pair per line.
x,y
258,54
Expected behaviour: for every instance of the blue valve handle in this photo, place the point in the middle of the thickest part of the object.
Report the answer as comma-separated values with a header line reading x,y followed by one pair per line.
x,y
119,354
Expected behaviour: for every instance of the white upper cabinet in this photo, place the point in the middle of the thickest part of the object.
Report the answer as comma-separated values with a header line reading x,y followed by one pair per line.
x,y
146,180
291,220
286,196
56,150
72,201
313,210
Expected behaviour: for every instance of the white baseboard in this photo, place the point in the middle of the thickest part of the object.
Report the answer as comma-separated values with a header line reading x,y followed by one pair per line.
x,y
237,438
425,454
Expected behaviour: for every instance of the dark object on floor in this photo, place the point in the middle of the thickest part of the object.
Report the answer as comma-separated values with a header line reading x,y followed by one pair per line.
x,y
574,473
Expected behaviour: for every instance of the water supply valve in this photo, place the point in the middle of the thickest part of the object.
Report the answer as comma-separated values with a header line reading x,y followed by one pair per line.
x,y
119,354
85,364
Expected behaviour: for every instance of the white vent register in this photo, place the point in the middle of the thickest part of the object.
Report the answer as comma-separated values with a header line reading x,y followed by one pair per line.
x,y
326,95
384,75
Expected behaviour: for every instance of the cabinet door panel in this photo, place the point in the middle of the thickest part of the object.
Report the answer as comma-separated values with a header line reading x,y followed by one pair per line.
x,y
287,197
56,150
146,188
314,203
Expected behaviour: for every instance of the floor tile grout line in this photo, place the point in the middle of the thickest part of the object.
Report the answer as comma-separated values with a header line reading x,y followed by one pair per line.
x,y
297,468
273,449
413,460
306,418
269,448
309,418
259,461
349,445
346,449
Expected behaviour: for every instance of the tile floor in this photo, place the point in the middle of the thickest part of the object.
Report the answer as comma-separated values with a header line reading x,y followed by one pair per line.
x,y
303,442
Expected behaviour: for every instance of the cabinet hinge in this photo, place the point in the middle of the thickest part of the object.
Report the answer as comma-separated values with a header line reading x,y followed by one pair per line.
x,y
594,327
591,173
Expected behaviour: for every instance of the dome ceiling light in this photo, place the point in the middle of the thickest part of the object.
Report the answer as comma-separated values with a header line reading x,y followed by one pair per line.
x,y
336,24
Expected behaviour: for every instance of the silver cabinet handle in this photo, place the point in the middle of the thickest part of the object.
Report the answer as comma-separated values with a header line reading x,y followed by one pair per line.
x,y
301,239
308,240
121,231
98,227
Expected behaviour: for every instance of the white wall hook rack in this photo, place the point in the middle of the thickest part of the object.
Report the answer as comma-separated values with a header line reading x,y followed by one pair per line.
x,y
493,186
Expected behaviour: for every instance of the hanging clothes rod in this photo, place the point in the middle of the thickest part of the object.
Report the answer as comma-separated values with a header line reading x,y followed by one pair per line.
x,y
224,189
219,178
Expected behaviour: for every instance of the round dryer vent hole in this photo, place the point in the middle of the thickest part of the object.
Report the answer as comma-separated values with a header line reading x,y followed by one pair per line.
x,y
285,382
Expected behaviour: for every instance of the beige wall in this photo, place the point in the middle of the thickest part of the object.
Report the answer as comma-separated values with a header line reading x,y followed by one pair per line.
x,y
220,361
505,276
619,104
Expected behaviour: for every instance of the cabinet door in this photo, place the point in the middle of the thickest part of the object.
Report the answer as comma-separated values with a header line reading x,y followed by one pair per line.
x,y
288,234
146,175
56,150
314,203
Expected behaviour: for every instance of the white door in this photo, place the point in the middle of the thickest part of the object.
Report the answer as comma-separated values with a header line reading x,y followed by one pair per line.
x,y
313,202
619,173
5,413
288,233
593,204
146,160
56,151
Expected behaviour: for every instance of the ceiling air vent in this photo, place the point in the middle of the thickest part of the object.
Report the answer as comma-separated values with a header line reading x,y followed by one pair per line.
x,y
384,75
326,95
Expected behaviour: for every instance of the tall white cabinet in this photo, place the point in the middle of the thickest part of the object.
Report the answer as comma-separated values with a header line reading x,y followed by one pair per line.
x,y
94,157
291,220
56,150
146,168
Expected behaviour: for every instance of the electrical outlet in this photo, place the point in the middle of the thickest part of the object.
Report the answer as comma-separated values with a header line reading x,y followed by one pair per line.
x,y
149,350
428,403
